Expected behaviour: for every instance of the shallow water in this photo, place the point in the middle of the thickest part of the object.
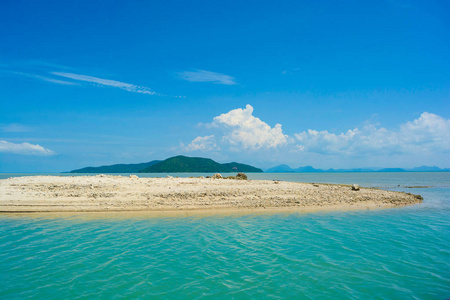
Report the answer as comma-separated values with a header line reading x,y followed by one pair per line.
x,y
400,253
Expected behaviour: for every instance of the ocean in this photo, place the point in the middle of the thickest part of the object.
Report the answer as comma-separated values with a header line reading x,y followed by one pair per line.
x,y
398,253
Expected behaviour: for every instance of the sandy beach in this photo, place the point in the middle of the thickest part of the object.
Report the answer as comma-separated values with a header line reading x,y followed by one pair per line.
x,y
117,193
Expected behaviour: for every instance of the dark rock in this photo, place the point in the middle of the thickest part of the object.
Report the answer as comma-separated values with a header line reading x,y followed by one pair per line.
x,y
355,187
217,176
241,176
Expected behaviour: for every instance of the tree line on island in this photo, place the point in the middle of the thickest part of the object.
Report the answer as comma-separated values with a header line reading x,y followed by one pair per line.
x,y
184,164
176,164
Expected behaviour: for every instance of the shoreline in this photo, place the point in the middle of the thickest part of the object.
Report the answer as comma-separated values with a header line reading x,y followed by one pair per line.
x,y
191,213
118,194
214,210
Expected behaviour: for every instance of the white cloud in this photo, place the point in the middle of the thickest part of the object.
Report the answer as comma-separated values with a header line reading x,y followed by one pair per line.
x,y
429,129
429,132
207,76
24,148
249,132
239,130
423,141
202,143
58,77
324,142
106,82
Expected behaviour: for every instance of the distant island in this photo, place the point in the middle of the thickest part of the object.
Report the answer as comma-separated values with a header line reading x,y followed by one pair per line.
x,y
185,164
176,164
309,169
118,168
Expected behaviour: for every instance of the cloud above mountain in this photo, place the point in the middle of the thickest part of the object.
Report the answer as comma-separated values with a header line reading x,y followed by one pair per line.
x,y
202,143
239,129
246,131
429,132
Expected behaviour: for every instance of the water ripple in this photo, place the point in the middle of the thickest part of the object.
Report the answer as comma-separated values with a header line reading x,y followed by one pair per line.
x,y
386,254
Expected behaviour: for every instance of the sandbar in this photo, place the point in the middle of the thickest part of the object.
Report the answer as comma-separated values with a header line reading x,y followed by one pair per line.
x,y
109,193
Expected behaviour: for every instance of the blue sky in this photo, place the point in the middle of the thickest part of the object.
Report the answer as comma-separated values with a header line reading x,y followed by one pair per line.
x,y
335,84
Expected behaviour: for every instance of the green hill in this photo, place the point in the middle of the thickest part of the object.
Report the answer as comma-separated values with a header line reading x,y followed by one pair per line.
x,y
119,168
237,167
184,164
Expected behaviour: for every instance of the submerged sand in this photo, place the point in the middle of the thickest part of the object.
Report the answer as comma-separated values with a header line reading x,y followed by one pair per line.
x,y
117,193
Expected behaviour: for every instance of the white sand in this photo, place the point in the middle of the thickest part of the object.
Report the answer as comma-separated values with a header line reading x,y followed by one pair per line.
x,y
117,193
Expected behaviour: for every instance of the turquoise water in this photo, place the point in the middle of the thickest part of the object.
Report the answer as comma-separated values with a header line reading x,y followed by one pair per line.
x,y
400,253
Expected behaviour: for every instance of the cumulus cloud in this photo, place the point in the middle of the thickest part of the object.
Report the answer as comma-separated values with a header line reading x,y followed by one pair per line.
x,y
202,143
107,82
429,129
248,131
24,148
324,141
424,140
207,76
429,132
239,130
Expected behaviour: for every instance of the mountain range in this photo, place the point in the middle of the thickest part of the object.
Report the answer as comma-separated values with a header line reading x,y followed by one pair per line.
x,y
309,169
176,164
118,168
185,164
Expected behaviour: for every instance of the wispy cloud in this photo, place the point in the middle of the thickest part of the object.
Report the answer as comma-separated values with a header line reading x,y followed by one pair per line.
x,y
290,71
207,76
52,80
24,148
40,77
60,74
41,64
107,82
14,127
